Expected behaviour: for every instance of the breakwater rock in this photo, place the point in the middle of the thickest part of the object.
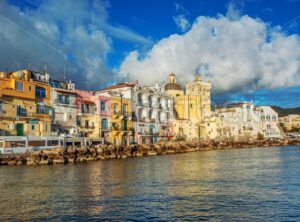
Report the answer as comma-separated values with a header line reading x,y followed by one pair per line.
x,y
104,152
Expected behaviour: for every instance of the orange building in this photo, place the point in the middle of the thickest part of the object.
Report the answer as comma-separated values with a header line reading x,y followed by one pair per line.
x,y
25,103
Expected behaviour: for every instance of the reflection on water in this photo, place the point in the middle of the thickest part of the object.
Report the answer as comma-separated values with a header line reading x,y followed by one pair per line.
x,y
232,185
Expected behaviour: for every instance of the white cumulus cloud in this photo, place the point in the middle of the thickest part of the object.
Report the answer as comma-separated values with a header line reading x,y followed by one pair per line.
x,y
235,54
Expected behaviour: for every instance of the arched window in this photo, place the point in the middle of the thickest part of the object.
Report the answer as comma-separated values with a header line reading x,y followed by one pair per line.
x,y
140,101
104,124
150,101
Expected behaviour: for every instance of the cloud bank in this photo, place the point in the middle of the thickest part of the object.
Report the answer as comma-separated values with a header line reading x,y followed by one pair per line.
x,y
234,52
77,36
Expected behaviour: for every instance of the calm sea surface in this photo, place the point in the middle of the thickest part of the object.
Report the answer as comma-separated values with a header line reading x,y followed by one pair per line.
x,y
260,184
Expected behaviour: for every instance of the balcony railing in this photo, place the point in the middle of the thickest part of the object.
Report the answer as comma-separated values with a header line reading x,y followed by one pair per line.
x,y
43,110
122,113
142,119
122,128
88,127
105,128
62,102
87,112
147,133
162,134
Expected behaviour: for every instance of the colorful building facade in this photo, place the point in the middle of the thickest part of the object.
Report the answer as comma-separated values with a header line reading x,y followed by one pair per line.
x,y
63,101
152,111
192,108
25,103
121,120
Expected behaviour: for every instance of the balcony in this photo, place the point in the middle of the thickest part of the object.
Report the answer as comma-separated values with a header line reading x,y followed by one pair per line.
x,y
43,110
88,127
116,128
152,120
142,119
87,112
148,133
104,112
122,113
64,102
105,128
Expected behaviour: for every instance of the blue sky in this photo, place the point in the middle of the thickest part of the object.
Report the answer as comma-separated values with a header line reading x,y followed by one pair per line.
x,y
103,42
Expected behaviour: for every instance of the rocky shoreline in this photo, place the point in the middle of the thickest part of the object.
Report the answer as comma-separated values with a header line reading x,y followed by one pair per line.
x,y
105,152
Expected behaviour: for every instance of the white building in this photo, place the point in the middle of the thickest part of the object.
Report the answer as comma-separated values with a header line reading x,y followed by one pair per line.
x,y
63,101
243,121
269,123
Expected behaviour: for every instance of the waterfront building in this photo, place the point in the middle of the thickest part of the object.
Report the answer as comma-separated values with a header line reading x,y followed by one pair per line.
x,y
103,111
152,111
269,122
63,101
121,120
86,114
239,121
192,108
290,123
25,103
93,114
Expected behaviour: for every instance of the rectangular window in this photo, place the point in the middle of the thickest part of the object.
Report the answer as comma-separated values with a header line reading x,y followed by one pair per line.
x,y
32,127
19,86
40,92
102,106
21,111
46,127
63,99
115,108
124,108
60,98
67,100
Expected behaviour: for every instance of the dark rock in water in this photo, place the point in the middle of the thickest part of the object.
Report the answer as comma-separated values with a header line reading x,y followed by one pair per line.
x,y
50,161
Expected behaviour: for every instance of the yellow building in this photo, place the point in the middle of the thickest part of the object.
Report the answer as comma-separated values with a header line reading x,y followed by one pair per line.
x,y
192,108
290,122
121,120
25,103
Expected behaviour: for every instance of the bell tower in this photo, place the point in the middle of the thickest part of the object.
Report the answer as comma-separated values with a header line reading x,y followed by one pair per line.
x,y
172,78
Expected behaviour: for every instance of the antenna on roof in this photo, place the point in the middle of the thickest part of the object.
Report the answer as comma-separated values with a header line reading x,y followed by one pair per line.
x,y
64,72
45,68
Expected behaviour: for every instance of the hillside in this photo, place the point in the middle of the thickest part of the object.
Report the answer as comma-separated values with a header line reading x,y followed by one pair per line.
x,y
286,111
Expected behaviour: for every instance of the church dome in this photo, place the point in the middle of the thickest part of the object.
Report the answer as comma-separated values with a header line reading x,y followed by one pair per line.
x,y
172,84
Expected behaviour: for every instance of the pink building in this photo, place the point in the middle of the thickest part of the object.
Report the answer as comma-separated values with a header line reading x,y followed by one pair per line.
x,y
93,114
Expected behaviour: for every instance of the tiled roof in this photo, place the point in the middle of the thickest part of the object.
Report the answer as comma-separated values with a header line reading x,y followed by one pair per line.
x,y
65,91
117,86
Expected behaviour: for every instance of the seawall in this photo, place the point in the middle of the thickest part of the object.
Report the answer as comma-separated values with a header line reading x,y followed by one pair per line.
x,y
104,152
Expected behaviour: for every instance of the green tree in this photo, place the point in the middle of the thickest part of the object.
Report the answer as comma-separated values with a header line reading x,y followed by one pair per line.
x,y
260,136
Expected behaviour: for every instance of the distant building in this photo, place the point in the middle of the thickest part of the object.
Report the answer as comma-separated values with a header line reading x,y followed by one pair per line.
x,y
241,121
290,123
25,103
